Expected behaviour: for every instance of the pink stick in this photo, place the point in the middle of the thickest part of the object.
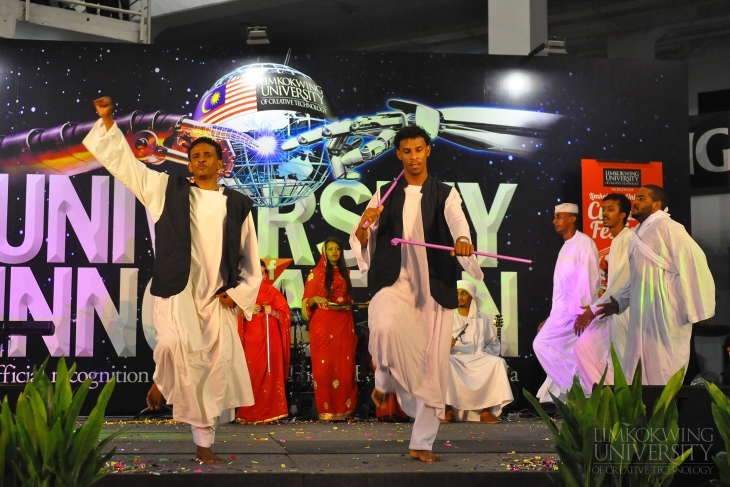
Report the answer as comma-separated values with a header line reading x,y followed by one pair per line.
x,y
387,193
396,241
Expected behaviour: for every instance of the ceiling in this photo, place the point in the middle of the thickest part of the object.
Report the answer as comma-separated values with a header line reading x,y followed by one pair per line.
x,y
681,27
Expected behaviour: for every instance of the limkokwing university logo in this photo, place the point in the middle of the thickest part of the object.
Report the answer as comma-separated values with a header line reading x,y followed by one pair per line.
x,y
630,178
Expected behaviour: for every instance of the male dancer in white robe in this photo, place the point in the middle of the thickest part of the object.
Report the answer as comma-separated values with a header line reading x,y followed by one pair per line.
x,y
478,378
593,349
670,288
410,316
576,282
206,270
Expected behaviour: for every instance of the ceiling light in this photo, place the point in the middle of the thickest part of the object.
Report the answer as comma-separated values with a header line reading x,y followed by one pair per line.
x,y
257,35
556,45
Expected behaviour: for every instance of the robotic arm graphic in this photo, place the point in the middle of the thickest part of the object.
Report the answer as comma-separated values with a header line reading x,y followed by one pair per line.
x,y
154,137
476,128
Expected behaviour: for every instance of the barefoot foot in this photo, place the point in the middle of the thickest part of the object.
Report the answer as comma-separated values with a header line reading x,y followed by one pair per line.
x,y
449,415
425,456
206,455
380,398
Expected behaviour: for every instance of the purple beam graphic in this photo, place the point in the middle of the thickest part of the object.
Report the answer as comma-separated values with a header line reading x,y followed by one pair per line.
x,y
396,241
382,200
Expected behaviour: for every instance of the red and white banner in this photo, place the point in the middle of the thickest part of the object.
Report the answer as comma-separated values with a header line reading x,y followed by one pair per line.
x,y
601,178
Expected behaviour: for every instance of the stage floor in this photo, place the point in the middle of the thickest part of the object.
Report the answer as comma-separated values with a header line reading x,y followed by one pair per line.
x,y
305,453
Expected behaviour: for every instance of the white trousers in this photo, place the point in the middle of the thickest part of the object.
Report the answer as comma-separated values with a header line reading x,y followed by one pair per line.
x,y
204,436
553,347
426,425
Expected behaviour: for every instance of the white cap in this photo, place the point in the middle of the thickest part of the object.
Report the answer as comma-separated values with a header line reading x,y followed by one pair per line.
x,y
467,286
567,208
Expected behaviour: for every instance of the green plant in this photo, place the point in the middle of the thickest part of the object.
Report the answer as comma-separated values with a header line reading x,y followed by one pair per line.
x,y
606,440
721,413
41,443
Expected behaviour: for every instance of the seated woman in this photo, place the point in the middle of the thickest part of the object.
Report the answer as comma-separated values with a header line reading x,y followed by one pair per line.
x,y
332,339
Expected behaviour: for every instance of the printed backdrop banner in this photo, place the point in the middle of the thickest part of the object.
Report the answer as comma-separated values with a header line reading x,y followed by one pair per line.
x,y
309,142
709,153
601,178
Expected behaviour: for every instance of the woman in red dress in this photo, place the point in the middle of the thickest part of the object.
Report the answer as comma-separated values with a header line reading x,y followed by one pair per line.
x,y
268,385
332,339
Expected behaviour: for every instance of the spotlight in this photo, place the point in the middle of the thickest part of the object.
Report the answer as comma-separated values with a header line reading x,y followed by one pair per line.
x,y
257,35
517,84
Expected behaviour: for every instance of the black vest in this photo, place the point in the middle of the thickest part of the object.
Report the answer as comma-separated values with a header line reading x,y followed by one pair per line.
x,y
171,269
442,268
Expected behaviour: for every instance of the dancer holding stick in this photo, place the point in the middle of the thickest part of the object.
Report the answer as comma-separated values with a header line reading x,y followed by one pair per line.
x,y
414,287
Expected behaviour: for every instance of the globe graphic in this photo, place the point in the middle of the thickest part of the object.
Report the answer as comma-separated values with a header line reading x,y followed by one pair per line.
x,y
261,169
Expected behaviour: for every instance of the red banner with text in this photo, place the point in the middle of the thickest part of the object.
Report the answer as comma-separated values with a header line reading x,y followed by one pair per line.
x,y
601,178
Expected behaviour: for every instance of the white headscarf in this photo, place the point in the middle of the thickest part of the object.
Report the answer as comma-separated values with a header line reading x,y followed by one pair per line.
x,y
467,286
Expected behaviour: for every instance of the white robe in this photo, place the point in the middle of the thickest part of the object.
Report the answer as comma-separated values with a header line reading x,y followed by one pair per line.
x,y
670,288
593,349
200,366
409,332
477,374
576,282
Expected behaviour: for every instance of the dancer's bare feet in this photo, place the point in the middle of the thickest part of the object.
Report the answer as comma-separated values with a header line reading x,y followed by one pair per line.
x,y
380,398
425,456
448,415
487,417
206,455
154,398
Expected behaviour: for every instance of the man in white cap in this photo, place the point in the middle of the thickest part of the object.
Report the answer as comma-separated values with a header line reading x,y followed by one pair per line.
x,y
478,378
576,281
670,288
593,349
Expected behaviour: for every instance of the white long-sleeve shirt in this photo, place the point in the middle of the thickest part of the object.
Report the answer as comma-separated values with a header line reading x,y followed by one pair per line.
x,y
198,367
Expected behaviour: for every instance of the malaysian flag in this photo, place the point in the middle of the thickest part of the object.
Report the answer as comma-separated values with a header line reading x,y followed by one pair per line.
x,y
228,100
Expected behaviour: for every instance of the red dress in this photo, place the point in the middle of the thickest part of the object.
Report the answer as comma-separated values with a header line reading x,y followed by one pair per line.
x,y
332,343
268,387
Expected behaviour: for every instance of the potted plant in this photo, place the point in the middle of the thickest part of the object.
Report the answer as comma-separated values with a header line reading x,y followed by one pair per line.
x,y
42,444
607,440
721,414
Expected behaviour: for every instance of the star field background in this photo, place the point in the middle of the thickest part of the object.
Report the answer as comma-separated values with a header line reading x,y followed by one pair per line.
x,y
614,110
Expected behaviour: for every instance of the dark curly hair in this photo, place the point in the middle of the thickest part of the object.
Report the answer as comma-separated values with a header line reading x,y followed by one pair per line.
x,y
623,203
411,132
209,141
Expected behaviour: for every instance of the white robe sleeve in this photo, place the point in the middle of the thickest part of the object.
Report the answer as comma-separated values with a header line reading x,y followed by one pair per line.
x,y
622,297
489,333
618,270
459,227
250,270
364,255
587,277
696,285
111,149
